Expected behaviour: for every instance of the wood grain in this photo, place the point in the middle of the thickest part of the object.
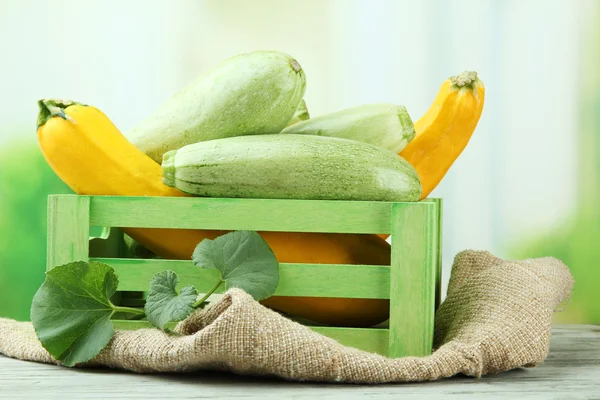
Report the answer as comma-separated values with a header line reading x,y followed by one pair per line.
x,y
438,251
413,279
571,371
240,214
68,229
355,281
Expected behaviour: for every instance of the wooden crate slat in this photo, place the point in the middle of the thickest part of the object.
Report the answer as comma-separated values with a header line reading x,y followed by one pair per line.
x,y
317,280
412,279
241,214
438,249
68,229
374,340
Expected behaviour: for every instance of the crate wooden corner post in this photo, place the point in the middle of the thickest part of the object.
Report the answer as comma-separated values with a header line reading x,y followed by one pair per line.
x,y
413,278
438,278
68,229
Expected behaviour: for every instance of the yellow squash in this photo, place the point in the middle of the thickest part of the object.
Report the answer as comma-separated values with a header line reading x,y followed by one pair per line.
x,y
89,153
444,131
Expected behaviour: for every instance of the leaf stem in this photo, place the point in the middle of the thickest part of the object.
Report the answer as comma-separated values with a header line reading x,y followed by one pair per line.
x,y
211,291
128,310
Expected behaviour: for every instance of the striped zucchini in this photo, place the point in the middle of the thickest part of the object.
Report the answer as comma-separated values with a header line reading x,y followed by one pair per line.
x,y
383,124
301,114
253,93
291,167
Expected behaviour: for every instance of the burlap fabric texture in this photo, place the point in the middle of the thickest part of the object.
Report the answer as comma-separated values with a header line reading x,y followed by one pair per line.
x,y
496,317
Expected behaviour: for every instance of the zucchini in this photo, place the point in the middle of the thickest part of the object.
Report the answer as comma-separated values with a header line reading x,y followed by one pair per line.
x,y
291,167
382,124
252,93
301,114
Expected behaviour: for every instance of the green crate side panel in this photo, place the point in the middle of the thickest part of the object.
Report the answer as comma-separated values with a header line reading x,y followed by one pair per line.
x,y
412,281
373,340
438,250
241,214
413,277
353,281
68,229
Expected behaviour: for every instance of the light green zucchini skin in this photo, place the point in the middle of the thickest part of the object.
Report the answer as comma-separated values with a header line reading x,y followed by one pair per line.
x,y
249,94
291,167
301,114
384,125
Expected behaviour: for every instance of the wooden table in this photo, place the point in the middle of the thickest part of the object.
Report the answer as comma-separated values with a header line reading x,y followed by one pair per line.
x,y
571,371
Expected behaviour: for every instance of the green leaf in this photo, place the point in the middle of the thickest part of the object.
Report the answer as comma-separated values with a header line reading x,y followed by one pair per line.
x,y
244,259
71,311
164,304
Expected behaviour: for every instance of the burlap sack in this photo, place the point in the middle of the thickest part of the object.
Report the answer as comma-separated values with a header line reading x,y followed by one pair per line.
x,y
496,317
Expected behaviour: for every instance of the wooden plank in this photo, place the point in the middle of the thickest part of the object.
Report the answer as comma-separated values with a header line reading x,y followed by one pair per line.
x,y
412,280
570,371
356,281
68,229
438,250
241,214
373,340
440,242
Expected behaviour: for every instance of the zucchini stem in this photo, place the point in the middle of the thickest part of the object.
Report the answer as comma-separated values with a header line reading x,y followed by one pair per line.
x,y
464,79
50,108
168,168
295,65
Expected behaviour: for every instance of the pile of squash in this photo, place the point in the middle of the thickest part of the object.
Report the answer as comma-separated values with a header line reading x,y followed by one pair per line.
x,y
258,93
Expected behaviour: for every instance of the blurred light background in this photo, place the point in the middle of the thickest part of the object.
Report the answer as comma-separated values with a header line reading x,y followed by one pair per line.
x,y
526,186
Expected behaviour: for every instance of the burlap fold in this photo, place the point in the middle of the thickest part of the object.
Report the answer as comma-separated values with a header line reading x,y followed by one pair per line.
x,y
496,317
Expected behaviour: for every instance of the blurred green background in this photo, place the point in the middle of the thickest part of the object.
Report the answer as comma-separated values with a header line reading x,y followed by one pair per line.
x,y
527,185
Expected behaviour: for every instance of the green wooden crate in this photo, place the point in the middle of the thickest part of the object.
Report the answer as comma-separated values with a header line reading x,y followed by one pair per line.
x,y
412,282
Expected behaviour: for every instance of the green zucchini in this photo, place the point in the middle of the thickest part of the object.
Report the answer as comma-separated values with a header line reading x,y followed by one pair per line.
x,y
291,167
300,115
383,124
252,93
